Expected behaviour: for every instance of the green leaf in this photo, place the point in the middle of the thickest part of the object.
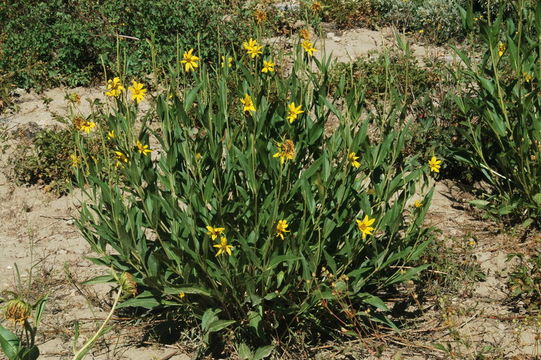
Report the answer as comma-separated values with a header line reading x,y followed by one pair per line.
x,y
537,198
9,342
219,325
263,352
244,352
30,354
40,308
186,290
102,279
275,261
145,300
374,301
480,203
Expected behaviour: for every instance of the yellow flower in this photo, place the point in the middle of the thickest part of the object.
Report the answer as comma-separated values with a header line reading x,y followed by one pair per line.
x,y
83,125
142,149
248,103
434,164
268,66
281,228
421,31
17,311
260,16
223,247
137,91
352,157
120,158
111,134
294,112
418,204
286,151
115,87
252,48
198,156
229,61
365,227
527,77
181,294
501,48
190,61
214,232
75,160
308,47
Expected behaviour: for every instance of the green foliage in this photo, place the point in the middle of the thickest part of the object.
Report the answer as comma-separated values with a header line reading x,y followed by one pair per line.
x,y
525,281
69,40
44,159
348,13
438,19
217,165
502,115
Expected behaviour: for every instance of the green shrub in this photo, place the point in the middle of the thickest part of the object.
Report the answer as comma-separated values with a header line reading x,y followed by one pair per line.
x,y
44,159
289,197
438,19
502,113
69,40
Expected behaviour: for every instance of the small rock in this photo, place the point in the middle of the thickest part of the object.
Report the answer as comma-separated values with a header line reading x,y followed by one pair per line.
x,y
61,252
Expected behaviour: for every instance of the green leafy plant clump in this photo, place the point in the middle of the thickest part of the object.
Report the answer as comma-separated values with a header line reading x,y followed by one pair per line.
x,y
502,111
245,205
70,40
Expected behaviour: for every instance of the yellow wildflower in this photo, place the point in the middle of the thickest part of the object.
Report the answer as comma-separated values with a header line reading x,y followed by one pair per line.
x,y
434,164
365,227
223,247
527,77
137,91
294,112
501,48
75,160
418,204
214,232
308,47
17,311
142,149
252,48
352,157
115,87
120,158
229,61
248,103
281,228
181,294
190,61
83,125
111,134
286,151
268,66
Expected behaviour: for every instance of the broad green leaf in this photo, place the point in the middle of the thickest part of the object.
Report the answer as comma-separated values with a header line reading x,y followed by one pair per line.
x,y
9,342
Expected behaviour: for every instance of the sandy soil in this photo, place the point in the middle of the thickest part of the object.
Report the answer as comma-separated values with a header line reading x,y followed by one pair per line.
x,y
37,234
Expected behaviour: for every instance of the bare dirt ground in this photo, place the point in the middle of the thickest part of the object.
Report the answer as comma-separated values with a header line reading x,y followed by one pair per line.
x,y
474,321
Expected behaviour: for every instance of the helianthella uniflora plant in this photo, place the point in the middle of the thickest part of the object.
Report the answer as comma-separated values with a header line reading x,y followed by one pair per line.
x,y
503,115
20,344
240,209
